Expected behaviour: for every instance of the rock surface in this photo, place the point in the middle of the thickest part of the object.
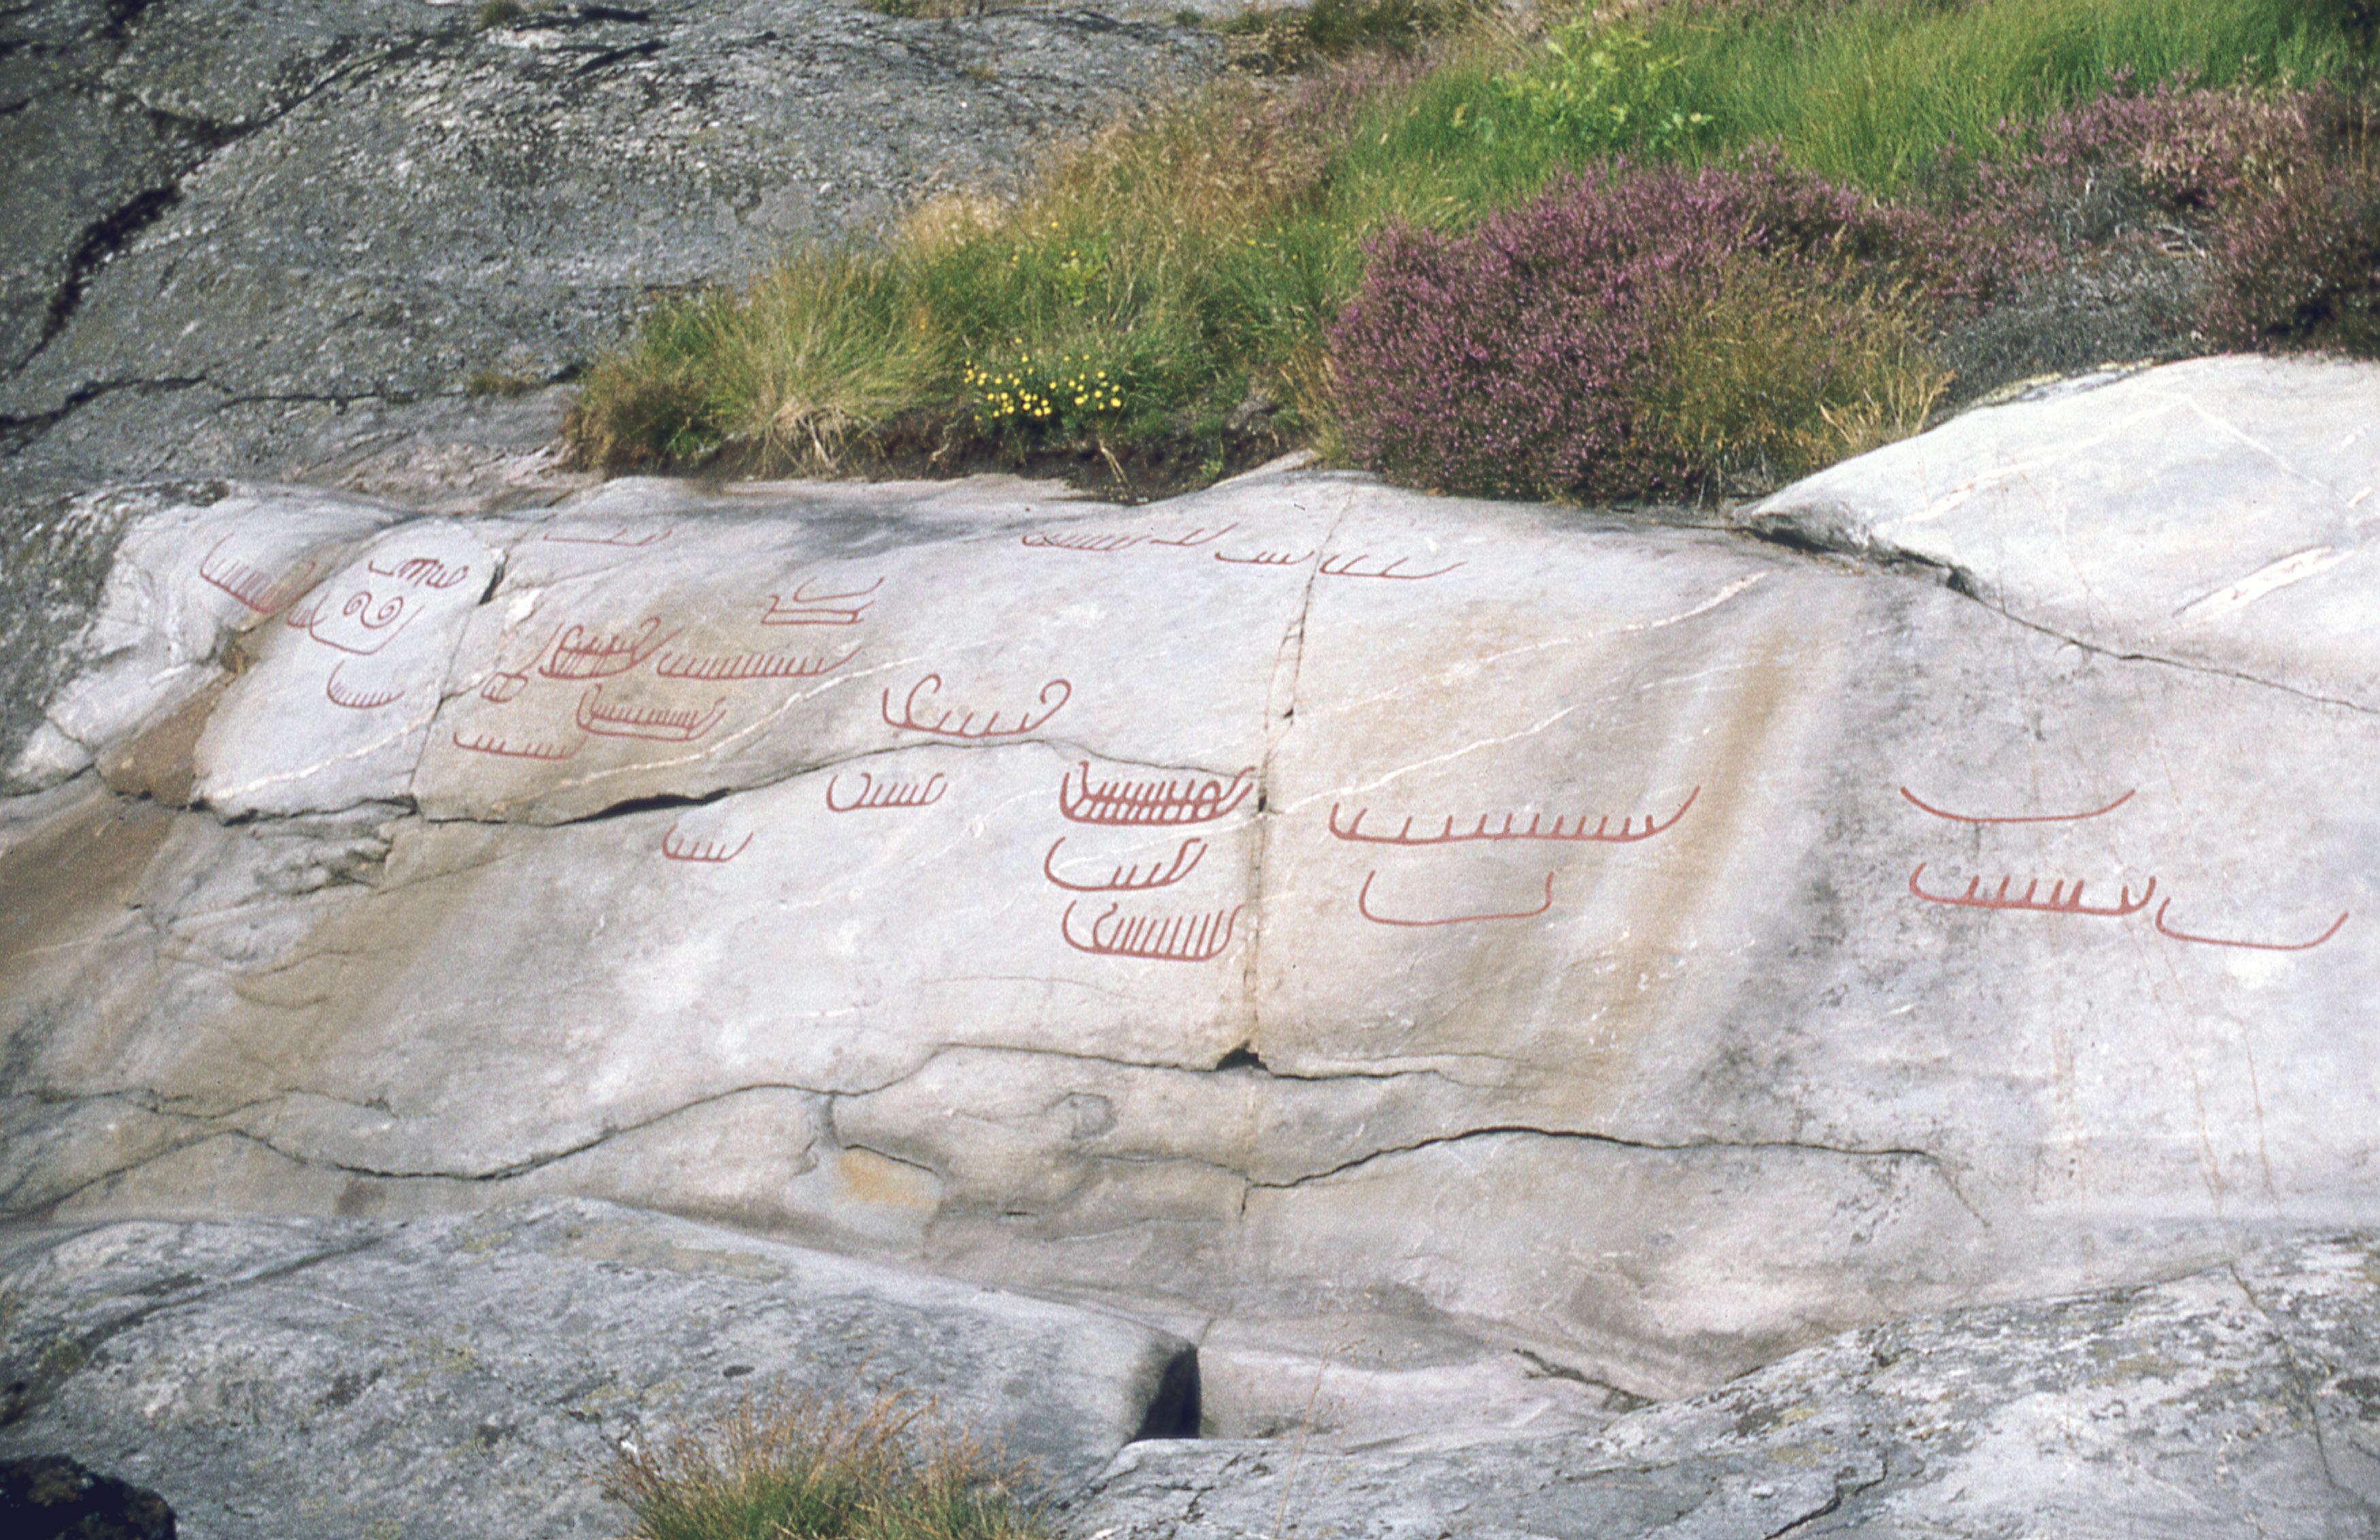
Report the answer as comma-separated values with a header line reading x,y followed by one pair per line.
x,y
248,232
2244,1399
2240,545
1304,911
471,1375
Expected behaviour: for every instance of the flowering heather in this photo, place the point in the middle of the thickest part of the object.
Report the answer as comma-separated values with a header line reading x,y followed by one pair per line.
x,y
1520,358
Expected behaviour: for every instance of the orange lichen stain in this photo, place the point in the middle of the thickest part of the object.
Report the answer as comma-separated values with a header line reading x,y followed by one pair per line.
x,y
866,1177
158,762
66,883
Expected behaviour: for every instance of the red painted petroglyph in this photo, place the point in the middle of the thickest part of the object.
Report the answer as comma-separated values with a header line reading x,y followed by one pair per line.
x,y
618,537
887,794
253,586
517,751
932,684
1179,938
682,726
1199,535
748,666
2059,900
2027,817
422,571
1131,878
1148,803
1266,559
1097,544
368,626
354,699
826,609
699,850
1348,564
577,656
1603,833
1364,907
2163,929
501,686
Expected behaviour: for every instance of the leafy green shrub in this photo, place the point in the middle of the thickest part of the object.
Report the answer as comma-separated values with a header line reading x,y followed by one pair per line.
x,y
814,1470
1599,86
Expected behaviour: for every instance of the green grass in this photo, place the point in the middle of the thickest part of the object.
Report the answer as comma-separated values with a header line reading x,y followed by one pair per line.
x,y
1864,93
1192,258
798,1468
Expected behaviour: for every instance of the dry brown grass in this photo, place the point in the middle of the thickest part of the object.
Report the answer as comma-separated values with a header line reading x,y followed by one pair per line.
x,y
796,1466
1777,374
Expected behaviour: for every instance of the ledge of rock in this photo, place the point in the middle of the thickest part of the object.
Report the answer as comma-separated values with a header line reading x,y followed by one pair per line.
x,y
2214,514
2244,1399
1587,961
472,1375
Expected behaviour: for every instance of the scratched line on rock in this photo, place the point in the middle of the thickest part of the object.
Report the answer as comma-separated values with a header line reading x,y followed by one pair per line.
x,y
1095,544
1198,535
507,748
805,608
1350,566
2163,929
662,725
1150,803
2064,901
874,793
1198,937
1131,878
578,654
931,686
2060,902
2021,818
619,537
714,852
1628,832
257,589
355,699
748,666
1364,907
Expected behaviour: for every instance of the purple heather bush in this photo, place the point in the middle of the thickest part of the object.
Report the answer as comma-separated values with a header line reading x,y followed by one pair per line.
x,y
1520,358
2279,192
1544,353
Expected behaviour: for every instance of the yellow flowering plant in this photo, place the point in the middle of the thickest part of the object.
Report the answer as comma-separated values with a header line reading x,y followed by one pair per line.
x,y
1043,397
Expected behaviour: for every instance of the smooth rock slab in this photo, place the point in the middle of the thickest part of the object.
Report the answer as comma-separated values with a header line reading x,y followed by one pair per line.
x,y
470,1377
1304,900
2217,513
2240,1401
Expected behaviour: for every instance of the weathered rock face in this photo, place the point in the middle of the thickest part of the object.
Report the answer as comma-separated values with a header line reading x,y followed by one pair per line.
x,y
2240,1401
471,1376
1303,902
2240,546
238,224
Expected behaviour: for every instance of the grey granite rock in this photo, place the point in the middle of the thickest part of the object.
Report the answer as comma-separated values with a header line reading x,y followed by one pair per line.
x,y
2240,1401
243,219
1124,901
471,1376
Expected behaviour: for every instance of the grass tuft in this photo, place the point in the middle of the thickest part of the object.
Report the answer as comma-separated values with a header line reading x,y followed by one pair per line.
x,y
804,1468
2007,185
